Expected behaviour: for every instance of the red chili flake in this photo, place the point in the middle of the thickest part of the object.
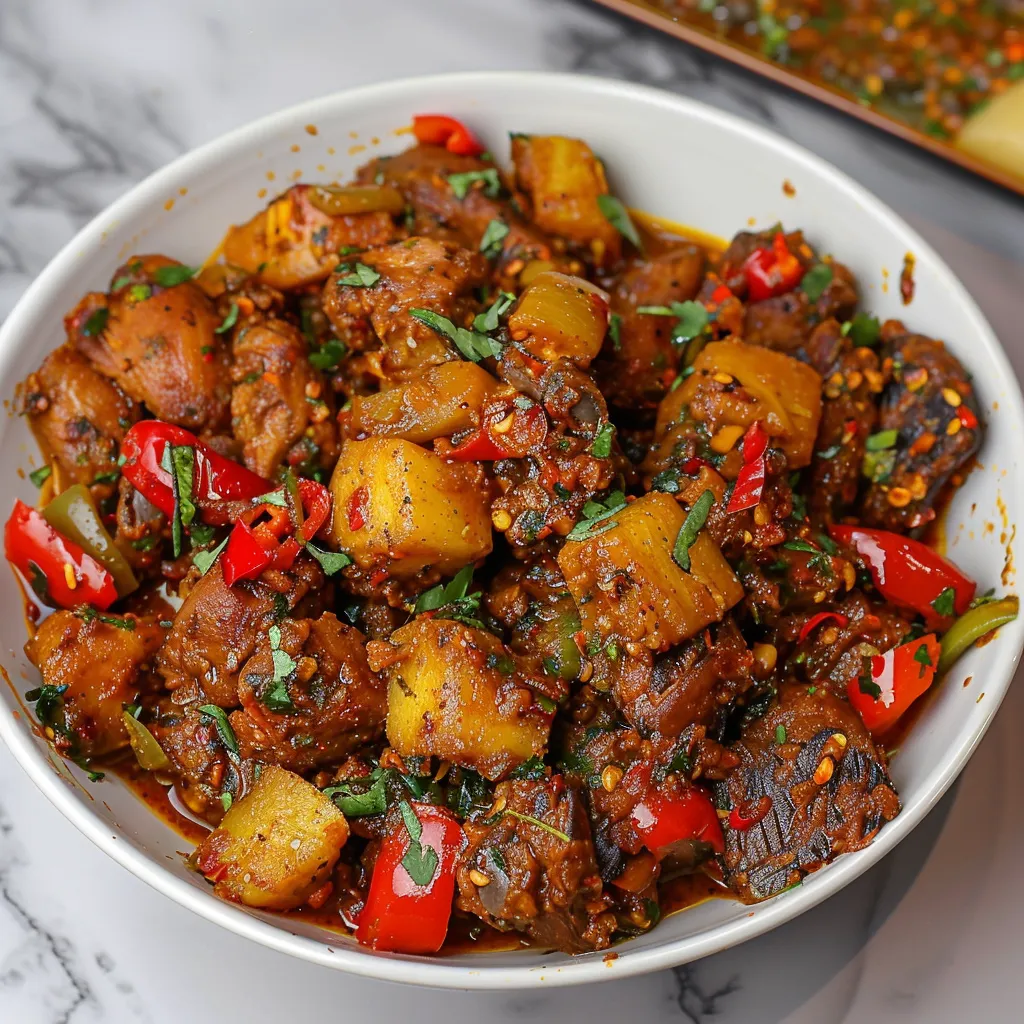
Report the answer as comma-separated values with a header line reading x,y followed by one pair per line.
x,y
357,508
850,427
721,293
816,620
967,418
741,818
694,465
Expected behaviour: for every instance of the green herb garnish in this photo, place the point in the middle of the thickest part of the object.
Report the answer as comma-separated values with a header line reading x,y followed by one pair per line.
x,y
816,280
229,321
361,277
473,345
41,475
493,236
419,860
220,718
174,274
614,211
692,525
461,183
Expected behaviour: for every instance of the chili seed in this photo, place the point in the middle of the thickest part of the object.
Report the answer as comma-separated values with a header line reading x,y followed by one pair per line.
x,y
952,397
501,519
824,771
478,878
722,378
611,777
69,576
899,497
504,426
954,426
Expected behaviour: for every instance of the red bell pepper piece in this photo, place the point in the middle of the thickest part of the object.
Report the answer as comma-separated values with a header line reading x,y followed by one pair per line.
x,y
404,914
746,492
260,538
215,478
316,508
910,574
480,446
661,819
244,557
898,678
46,558
816,620
440,130
771,272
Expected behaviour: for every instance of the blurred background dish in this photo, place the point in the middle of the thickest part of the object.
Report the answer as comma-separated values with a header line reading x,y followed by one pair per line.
x,y
947,76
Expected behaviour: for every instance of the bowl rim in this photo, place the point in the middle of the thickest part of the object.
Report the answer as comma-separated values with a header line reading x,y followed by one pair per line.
x,y
439,972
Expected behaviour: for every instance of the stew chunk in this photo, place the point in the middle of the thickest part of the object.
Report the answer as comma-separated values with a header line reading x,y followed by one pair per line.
x,y
626,582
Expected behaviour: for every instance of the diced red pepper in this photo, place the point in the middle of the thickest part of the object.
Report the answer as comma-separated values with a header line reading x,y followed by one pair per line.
x,y
741,817
900,676
244,557
480,446
694,465
215,478
966,417
908,573
747,490
771,272
440,130
357,508
316,508
61,573
721,293
401,915
816,620
662,820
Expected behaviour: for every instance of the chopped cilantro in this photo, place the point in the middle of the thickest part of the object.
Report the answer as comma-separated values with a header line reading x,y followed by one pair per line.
x,y
816,280
614,211
692,525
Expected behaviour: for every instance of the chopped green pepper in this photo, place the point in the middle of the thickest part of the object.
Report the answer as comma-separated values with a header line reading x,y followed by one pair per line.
x,y
973,625
74,514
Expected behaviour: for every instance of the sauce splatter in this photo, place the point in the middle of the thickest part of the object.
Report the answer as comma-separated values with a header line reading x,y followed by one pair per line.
x,y
907,279
788,188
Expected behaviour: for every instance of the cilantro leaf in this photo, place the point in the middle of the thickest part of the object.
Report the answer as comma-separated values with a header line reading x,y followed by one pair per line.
x,y
615,331
330,561
355,802
229,321
41,475
473,345
97,323
692,525
596,517
203,560
328,356
864,330
614,211
493,237
490,320
220,718
461,183
945,603
361,277
602,445
420,861
174,274
816,280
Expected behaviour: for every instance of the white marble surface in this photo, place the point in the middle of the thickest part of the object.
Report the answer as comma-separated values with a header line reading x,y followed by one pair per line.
x,y
97,93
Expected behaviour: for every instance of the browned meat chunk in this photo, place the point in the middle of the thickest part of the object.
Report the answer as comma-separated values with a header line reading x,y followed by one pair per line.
x,y
78,418
216,629
417,273
537,882
635,372
308,696
94,663
849,414
831,654
279,400
159,343
685,687
930,402
785,321
140,527
292,243
422,175
811,763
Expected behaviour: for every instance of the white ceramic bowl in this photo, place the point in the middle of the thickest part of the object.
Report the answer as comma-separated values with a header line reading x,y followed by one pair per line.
x,y
668,155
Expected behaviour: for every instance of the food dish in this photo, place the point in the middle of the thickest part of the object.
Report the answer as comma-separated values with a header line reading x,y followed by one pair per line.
x,y
82,321
946,77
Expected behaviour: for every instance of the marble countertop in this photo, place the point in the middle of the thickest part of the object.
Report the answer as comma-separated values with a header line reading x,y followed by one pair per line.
x,y
98,93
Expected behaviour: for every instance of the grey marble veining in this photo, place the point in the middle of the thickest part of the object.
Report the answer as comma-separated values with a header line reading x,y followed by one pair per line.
x,y
97,94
